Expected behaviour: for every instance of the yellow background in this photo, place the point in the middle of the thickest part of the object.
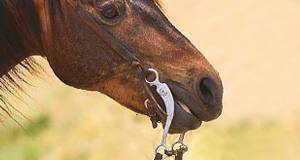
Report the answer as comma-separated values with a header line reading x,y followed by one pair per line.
x,y
255,46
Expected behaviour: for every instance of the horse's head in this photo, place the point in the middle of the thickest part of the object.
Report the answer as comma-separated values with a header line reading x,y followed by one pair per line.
x,y
81,56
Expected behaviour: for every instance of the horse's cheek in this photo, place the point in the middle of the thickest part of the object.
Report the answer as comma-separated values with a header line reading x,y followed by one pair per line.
x,y
77,71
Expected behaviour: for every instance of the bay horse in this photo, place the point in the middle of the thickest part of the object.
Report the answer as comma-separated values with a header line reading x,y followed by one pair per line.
x,y
87,42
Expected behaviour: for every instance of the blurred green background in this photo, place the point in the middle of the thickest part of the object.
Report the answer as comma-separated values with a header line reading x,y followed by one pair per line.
x,y
254,45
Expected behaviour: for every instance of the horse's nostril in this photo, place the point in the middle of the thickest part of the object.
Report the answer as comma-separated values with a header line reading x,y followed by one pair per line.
x,y
208,91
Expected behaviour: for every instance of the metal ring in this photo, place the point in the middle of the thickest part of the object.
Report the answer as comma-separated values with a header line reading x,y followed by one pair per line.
x,y
180,141
181,144
160,146
156,76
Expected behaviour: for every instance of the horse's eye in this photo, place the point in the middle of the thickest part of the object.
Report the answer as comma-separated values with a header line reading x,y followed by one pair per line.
x,y
110,11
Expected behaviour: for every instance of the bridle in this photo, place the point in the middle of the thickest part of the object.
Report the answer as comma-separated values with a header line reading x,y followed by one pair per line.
x,y
155,111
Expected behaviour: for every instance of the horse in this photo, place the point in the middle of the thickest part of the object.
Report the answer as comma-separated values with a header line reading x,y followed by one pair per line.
x,y
94,45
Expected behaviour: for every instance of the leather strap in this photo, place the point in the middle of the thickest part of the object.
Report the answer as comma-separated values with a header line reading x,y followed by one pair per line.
x,y
179,156
158,156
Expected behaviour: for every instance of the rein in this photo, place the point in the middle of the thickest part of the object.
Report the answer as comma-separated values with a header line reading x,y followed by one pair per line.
x,y
155,111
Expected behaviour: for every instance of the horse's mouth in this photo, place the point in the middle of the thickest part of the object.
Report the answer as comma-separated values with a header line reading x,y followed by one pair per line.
x,y
184,107
184,118
186,111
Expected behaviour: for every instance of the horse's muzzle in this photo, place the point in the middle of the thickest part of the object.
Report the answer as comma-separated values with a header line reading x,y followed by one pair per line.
x,y
192,106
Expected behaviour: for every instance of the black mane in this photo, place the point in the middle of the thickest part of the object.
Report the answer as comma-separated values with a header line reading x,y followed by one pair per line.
x,y
19,38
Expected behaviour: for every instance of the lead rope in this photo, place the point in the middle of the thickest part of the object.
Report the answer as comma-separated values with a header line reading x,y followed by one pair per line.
x,y
165,93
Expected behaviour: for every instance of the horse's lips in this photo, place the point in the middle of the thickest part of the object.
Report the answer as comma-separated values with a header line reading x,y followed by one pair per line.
x,y
184,118
185,108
